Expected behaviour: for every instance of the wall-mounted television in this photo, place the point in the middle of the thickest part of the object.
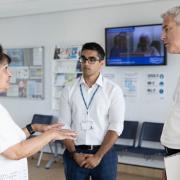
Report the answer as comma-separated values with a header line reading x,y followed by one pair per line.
x,y
134,45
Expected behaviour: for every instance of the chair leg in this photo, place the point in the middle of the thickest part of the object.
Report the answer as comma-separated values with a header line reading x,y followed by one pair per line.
x,y
39,158
41,154
51,149
55,156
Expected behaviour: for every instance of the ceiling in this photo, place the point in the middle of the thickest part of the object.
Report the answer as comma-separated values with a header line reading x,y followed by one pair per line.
x,y
12,8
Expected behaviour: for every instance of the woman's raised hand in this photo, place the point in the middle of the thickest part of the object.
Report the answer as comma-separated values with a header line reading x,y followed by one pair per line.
x,y
46,127
55,130
65,134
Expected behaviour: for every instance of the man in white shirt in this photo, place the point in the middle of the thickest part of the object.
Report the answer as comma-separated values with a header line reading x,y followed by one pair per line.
x,y
170,137
94,107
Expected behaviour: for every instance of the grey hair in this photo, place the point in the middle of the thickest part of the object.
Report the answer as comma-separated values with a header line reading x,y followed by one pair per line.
x,y
174,13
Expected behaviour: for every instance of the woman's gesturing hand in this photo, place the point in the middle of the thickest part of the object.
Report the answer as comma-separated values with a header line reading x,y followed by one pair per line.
x,y
46,127
65,134
56,130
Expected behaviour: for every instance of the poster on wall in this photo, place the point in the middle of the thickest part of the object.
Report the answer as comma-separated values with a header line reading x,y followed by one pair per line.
x,y
110,76
27,68
130,85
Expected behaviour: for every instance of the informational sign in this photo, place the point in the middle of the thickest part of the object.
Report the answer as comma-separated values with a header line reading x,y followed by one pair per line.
x,y
155,86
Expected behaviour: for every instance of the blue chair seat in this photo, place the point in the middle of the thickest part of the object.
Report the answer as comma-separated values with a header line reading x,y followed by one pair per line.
x,y
147,151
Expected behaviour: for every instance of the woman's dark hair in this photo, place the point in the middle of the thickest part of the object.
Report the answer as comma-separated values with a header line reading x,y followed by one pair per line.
x,y
96,47
1,49
1,52
4,56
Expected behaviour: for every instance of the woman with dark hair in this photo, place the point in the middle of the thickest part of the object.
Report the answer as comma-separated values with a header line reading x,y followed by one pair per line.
x,y
14,145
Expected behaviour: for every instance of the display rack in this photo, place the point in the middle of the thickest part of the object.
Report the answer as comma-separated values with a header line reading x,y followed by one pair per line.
x,y
66,68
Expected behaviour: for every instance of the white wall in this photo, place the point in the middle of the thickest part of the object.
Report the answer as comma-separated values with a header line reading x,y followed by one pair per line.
x,y
77,27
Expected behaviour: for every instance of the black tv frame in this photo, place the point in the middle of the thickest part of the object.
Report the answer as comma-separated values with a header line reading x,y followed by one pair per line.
x,y
121,65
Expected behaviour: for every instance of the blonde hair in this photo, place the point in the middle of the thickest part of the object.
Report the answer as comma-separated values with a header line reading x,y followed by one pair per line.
x,y
174,13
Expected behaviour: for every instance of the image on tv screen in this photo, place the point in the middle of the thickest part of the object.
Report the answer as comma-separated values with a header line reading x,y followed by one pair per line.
x,y
134,45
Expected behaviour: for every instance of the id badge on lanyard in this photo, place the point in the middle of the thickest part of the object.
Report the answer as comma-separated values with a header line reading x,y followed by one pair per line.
x,y
87,123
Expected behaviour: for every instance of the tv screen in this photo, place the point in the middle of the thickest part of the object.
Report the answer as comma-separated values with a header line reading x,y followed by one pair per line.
x,y
134,45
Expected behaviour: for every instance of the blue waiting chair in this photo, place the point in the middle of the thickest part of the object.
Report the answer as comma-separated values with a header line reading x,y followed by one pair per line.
x,y
42,119
150,133
127,139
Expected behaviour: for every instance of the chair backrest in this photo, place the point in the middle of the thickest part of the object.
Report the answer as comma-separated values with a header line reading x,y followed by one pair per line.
x,y
42,119
150,131
130,130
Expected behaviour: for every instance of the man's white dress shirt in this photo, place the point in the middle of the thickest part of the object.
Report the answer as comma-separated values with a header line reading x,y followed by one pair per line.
x,y
106,109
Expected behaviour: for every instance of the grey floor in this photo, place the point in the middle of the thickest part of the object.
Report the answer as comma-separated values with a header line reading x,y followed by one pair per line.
x,y
56,172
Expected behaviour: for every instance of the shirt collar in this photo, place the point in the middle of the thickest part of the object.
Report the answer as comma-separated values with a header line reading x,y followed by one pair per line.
x,y
99,80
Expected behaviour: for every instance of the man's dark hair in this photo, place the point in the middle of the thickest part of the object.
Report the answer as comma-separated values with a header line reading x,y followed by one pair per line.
x,y
95,47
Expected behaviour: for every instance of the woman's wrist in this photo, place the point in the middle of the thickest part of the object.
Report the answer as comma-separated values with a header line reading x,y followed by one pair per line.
x,y
30,129
50,135
34,127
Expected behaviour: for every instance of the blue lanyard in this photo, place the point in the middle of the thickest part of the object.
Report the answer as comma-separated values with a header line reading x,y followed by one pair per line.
x,y
87,106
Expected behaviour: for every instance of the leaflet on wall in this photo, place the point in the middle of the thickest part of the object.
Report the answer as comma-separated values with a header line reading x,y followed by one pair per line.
x,y
35,72
38,56
39,89
72,52
34,89
62,79
130,84
20,72
66,67
31,88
